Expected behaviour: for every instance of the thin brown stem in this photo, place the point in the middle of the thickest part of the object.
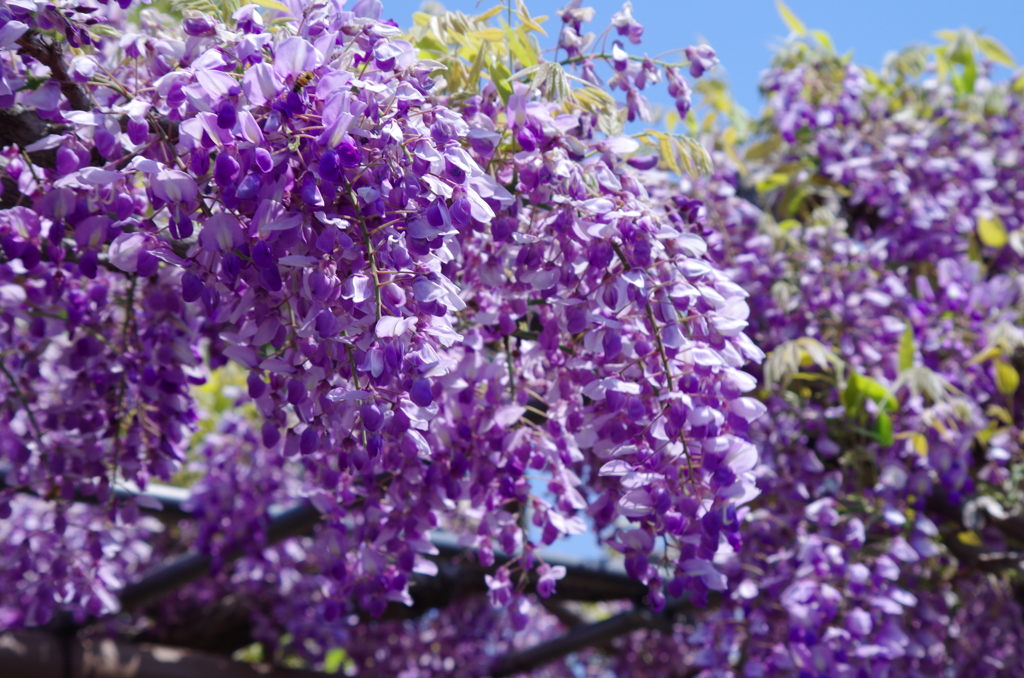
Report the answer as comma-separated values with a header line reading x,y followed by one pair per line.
x,y
24,402
661,347
370,259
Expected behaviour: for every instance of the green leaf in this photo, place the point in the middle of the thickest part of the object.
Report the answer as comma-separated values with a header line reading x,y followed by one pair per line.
x,y
825,40
792,22
273,4
813,351
489,34
781,364
813,376
942,65
974,251
489,14
995,51
431,43
762,149
531,23
985,354
694,157
777,180
1000,413
333,660
521,48
922,380
500,76
880,394
920,444
612,123
668,153
860,387
550,78
907,349
594,100
970,76
789,224
969,537
992,231
961,48
958,83
250,654
105,31
477,68
852,397
422,18
797,198
883,429
1007,377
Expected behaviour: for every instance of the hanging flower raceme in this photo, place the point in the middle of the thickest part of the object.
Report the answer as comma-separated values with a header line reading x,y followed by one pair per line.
x,y
438,305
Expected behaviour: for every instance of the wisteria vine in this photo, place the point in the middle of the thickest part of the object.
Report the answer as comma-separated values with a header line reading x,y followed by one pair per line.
x,y
426,281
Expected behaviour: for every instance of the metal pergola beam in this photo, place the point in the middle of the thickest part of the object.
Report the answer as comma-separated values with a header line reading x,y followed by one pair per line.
x,y
37,654
171,498
575,640
596,634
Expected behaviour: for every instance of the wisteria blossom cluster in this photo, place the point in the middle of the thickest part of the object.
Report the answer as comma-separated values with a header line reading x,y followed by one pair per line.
x,y
876,236
439,302
430,283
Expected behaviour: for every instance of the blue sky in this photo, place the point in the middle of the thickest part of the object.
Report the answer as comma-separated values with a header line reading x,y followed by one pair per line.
x,y
744,31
